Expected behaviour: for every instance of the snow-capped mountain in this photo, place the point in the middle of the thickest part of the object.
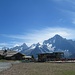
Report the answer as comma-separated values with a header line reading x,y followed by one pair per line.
x,y
38,48
20,48
56,43
5,48
61,43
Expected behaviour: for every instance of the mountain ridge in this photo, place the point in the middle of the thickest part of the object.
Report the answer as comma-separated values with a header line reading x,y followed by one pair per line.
x,y
56,43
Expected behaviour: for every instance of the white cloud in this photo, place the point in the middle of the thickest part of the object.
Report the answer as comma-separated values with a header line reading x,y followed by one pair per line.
x,y
4,45
10,44
67,7
70,1
73,21
16,45
43,34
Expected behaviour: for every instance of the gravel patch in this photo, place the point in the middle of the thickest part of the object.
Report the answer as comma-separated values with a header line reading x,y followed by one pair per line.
x,y
4,65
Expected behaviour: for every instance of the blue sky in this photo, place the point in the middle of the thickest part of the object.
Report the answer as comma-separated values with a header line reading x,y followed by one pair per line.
x,y
33,21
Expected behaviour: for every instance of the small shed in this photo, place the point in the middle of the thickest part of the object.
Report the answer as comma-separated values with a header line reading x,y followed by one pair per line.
x,y
27,58
55,56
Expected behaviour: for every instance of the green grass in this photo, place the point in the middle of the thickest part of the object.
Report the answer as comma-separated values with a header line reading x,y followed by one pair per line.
x,y
52,69
68,72
2,60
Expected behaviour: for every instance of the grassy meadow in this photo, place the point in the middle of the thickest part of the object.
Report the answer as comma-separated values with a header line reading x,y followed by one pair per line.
x,y
41,69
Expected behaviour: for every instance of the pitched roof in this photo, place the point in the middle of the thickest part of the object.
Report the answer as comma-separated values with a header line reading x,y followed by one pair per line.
x,y
9,53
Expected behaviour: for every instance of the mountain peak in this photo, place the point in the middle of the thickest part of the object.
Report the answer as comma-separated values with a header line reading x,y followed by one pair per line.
x,y
38,43
23,44
58,36
19,48
54,39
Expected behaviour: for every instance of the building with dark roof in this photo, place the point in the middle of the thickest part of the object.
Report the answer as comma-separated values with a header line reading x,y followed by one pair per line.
x,y
55,56
11,55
